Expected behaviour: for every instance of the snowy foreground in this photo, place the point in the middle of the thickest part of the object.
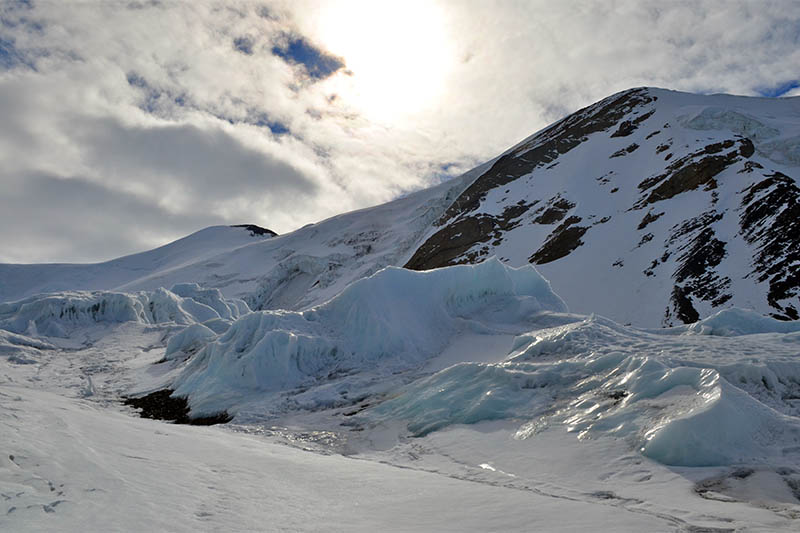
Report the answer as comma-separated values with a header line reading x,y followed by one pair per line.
x,y
463,398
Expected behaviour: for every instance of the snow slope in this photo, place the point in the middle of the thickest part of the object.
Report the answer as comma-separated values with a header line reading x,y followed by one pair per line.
x,y
653,207
291,271
20,281
469,387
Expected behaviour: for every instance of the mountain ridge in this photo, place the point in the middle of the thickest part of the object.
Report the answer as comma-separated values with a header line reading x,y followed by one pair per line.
x,y
651,206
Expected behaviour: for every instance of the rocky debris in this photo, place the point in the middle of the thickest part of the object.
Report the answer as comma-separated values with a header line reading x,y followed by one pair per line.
x,y
770,221
564,239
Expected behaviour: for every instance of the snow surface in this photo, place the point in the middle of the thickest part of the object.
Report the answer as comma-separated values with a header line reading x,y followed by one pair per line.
x,y
463,398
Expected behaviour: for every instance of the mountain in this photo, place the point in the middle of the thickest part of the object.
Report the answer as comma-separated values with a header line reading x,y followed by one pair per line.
x,y
348,392
651,207
19,281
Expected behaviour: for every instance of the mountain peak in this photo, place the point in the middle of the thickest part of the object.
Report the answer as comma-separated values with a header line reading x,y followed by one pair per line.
x,y
648,199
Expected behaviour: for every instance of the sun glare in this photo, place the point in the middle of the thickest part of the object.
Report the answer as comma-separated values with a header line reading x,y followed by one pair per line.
x,y
397,54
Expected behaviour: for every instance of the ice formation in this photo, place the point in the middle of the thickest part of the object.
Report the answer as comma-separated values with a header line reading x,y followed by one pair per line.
x,y
396,319
670,396
55,315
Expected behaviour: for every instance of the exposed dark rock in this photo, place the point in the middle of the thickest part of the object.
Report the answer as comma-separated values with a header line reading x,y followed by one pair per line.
x,y
663,147
255,230
696,269
770,221
648,218
750,166
556,211
627,127
647,237
684,310
441,248
161,405
704,252
447,244
545,147
695,170
564,239
695,275
625,151
653,134
650,270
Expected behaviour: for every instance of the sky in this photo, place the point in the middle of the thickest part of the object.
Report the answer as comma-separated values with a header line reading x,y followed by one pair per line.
x,y
127,124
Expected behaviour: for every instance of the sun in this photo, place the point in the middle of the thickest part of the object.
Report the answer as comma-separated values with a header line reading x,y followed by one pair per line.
x,y
398,54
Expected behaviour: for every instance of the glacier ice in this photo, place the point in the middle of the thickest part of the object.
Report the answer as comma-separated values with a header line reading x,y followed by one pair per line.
x,y
671,396
55,315
391,322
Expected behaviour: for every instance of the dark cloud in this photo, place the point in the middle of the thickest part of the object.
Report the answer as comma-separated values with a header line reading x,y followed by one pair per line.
x,y
208,162
243,45
52,213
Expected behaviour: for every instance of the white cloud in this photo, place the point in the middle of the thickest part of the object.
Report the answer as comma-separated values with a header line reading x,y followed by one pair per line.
x,y
154,114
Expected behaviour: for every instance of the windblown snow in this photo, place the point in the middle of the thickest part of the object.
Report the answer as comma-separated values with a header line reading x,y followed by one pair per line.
x,y
361,396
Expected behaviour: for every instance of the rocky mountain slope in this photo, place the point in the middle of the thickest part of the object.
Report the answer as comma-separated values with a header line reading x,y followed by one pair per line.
x,y
651,207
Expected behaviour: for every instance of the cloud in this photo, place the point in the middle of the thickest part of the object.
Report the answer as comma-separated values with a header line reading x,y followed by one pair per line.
x,y
168,117
52,213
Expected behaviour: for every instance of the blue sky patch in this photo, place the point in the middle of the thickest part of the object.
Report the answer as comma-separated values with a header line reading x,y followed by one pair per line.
x,y
779,90
9,56
262,120
318,63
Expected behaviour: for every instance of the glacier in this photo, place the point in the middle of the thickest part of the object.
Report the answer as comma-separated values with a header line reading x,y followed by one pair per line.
x,y
466,373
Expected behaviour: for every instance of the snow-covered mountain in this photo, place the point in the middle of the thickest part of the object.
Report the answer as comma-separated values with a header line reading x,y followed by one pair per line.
x,y
653,207
355,394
